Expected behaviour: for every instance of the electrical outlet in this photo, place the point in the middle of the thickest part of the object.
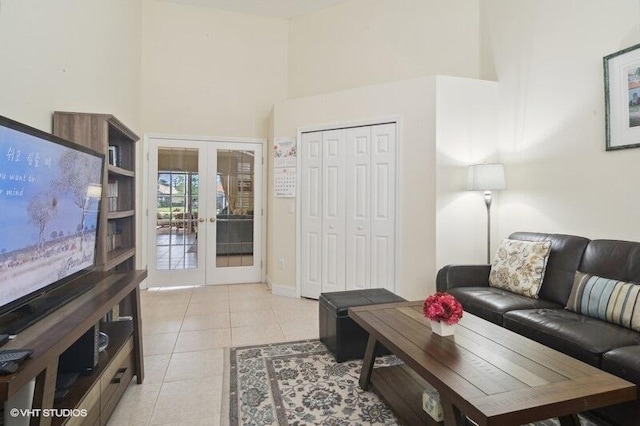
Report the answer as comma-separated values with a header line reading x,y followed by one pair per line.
x,y
281,263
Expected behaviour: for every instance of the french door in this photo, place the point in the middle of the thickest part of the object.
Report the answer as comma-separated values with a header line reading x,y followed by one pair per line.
x,y
348,209
205,207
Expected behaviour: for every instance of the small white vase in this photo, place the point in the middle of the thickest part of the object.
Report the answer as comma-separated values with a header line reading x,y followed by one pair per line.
x,y
442,328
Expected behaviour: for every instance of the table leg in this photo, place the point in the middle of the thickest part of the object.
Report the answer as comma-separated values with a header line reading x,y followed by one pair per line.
x,y
452,416
367,363
570,420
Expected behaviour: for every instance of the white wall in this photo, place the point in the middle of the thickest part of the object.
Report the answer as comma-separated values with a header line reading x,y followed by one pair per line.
x,y
411,100
547,56
363,42
71,55
366,59
466,119
209,72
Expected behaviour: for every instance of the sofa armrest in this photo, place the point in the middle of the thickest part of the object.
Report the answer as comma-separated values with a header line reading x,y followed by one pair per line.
x,y
452,276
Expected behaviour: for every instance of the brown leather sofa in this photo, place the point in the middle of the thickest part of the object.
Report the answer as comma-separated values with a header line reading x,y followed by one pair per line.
x,y
608,346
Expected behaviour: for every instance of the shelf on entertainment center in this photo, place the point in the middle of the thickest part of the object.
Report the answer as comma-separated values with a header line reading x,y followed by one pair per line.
x,y
117,256
120,214
120,171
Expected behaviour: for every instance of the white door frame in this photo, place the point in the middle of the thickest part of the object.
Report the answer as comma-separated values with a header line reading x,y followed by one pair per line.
x,y
399,177
150,186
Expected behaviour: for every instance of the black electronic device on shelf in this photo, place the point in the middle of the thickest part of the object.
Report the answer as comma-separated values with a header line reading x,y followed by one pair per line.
x,y
81,357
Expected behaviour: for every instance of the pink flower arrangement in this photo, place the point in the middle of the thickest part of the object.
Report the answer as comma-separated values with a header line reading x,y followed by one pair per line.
x,y
442,307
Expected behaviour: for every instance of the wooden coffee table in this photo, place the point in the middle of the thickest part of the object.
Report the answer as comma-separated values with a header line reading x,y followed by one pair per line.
x,y
492,375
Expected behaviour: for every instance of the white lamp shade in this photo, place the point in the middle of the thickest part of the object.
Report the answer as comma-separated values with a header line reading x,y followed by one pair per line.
x,y
486,177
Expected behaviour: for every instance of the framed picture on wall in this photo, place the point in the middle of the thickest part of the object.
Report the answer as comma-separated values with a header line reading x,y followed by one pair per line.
x,y
622,98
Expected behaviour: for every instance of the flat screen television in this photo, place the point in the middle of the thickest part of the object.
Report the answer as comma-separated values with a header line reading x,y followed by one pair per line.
x,y
50,191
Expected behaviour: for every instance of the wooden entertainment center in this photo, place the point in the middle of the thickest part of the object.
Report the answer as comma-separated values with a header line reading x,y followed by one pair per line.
x,y
112,302
100,392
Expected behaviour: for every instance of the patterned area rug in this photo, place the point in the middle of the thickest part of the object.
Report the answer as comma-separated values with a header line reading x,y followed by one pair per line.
x,y
299,383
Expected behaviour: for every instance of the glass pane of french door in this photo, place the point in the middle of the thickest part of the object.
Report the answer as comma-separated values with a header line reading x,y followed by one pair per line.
x,y
234,246
175,212
177,209
235,208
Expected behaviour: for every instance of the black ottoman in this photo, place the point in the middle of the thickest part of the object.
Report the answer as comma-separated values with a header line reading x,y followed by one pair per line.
x,y
344,338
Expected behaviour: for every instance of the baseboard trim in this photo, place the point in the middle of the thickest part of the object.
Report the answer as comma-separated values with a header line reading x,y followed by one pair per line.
x,y
281,290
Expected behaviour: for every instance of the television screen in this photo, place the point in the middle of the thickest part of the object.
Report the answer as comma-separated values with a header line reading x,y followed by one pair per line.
x,y
50,193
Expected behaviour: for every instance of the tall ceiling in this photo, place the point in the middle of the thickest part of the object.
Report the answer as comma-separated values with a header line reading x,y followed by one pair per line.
x,y
273,8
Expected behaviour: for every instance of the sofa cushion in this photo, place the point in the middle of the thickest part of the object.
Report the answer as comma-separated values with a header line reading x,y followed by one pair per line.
x,y
579,336
618,260
623,362
491,303
519,266
564,259
608,300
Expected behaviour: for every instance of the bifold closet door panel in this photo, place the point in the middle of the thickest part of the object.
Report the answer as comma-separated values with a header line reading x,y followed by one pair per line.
x,y
383,202
333,209
311,215
348,209
358,208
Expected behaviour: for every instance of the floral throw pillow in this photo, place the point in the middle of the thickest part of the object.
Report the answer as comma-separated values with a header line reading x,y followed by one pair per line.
x,y
519,266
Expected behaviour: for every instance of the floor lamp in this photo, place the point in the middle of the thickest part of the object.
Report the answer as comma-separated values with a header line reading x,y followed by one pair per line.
x,y
487,177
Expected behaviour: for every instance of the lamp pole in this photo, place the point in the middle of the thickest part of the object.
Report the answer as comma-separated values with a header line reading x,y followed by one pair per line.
x,y
487,202
486,177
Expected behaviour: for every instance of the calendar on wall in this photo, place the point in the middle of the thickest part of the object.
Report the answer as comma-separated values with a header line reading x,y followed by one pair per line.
x,y
284,162
285,182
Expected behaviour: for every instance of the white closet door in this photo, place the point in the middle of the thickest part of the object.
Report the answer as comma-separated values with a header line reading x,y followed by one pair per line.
x,y
333,209
358,208
383,202
348,209
311,215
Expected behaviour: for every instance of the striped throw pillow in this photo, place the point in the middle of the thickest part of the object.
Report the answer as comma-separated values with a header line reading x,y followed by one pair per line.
x,y
605,299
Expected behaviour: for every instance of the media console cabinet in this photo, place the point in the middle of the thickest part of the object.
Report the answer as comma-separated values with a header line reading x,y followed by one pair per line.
x,y
53,334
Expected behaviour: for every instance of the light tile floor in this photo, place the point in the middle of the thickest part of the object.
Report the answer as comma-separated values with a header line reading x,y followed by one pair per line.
x,y
185,332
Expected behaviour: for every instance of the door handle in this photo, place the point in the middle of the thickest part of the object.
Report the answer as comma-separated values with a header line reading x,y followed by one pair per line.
x,y
201,220
212,219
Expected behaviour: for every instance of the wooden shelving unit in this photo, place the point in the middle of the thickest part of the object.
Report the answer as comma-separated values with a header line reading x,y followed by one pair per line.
x,y
100,392
108,135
